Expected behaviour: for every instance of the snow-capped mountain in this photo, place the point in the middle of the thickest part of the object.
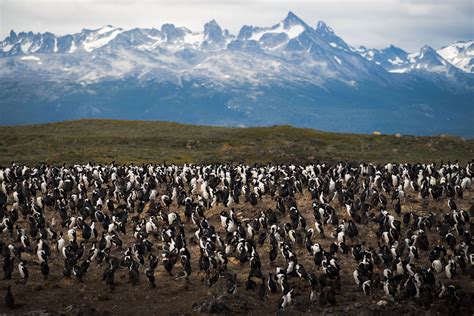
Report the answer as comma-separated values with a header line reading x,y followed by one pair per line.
x,y
427,60
289,72
291,48
30,43
394,59
460,54
390,58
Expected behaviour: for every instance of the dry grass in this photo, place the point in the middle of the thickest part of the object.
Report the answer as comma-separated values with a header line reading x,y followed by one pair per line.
x,y
145,141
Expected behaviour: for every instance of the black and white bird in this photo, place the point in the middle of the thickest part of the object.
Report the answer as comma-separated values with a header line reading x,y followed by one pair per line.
x,y
286,300
23,271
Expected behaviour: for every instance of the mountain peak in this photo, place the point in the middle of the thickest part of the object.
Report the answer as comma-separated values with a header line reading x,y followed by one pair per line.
x,y
426,51
426,48
213,32
459,54
321,27
291,16
428,58
292,19
167,28
171,33
212,23
394,50
13,35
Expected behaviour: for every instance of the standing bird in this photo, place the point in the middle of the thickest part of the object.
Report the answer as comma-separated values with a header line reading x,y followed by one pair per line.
x,y
285,300
23,271
451,269
150,274
262,289
44,269
366,287
8,267
272,287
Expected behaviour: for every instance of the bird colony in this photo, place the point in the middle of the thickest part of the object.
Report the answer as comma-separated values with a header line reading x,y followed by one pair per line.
x,y
298,237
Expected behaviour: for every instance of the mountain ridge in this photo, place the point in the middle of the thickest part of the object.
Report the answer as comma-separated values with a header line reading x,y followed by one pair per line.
x,y
108,33
287,73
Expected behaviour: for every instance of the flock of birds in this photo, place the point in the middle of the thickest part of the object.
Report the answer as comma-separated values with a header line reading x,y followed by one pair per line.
x,y
141,218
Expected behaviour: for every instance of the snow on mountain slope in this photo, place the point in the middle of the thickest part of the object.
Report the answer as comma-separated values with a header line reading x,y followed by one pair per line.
x,y
318,50
291,26
290,31
330,36
30,57
100,37
428,61
396,60
460,54
391,58
288,50
311,53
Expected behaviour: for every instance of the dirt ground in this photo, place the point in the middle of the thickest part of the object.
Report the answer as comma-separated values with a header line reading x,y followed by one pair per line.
x,y
60,295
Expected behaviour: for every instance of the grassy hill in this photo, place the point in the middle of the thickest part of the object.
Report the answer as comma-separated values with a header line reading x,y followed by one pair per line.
x,y
144,141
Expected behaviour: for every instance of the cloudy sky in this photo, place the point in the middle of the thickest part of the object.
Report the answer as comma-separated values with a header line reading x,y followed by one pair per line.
x,y
373,23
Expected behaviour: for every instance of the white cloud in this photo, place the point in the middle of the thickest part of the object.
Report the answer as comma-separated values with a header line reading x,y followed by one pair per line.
x,y
373,23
